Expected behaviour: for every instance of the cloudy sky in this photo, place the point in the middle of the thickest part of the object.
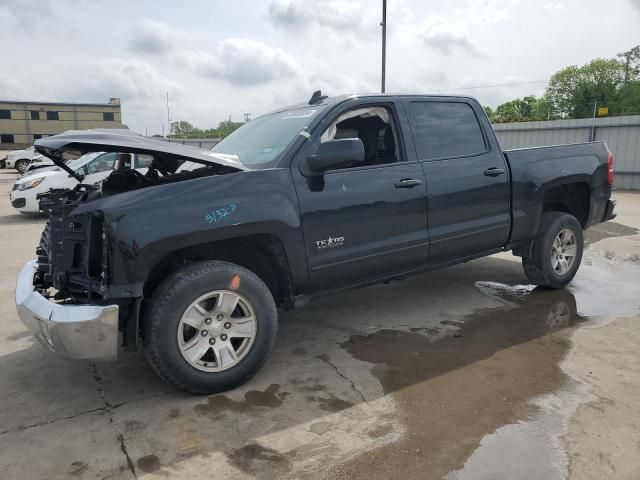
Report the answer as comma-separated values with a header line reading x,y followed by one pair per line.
x,y
221,58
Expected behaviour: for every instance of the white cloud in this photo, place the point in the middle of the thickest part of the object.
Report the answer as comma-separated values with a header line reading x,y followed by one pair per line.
x,y
554,7
345,17
11,87
126,78
242,62
334,83
446,42
150,36
26,13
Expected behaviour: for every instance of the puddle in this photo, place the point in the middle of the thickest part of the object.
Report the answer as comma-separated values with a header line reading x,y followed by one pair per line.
x,y
149,463
217,404
260,462
490,399
607,230
452,391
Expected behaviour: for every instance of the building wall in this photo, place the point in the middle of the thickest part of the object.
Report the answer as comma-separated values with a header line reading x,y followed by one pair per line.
x,y
32,120
622,135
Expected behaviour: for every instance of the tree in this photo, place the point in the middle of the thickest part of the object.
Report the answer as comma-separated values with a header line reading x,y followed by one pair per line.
x,y
573,91
227,127
183,129
630,95
489,111
526,109
631,60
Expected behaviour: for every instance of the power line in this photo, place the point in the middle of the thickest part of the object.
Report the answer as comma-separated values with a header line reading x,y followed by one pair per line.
x,y
491,86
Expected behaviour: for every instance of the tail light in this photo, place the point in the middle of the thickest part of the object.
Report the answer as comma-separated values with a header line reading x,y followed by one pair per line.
x,y
610,169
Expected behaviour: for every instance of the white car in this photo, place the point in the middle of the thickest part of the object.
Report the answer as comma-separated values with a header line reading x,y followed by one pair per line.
x,y
38,162
19,159
93,167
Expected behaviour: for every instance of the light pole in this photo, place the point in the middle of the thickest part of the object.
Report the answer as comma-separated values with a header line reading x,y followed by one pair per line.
x,y
168,117
383,24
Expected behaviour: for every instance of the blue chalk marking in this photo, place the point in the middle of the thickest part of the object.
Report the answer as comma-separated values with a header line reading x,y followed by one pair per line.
x,y
219,214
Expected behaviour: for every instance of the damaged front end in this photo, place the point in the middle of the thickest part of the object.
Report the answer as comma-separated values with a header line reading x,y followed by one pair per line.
x,y
59,295
72,256
64,296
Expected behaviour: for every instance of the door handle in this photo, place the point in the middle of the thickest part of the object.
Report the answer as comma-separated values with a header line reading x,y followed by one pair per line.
x,y
407,183
493,172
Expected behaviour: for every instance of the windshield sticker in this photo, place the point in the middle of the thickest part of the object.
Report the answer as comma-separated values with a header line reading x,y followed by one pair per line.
x,y
303,113
267,150
219,214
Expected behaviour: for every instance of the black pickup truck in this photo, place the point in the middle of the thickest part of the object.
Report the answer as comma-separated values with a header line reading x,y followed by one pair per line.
x,y
191,261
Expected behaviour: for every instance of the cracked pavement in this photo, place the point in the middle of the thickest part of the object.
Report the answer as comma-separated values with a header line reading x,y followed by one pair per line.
x,y
461,373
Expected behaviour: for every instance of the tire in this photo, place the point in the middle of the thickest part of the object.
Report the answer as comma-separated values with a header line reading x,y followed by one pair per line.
x,y
173,308
21,165
540,263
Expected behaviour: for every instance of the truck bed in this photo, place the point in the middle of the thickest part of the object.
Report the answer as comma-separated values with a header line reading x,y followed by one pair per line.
x,y
535,170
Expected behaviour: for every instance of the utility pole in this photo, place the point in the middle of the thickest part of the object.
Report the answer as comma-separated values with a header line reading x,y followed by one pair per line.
x,y
626,69
593,122
168,117
247,117
383,24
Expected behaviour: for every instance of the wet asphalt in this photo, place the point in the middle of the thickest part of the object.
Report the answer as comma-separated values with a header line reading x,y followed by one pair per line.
x,y
467,372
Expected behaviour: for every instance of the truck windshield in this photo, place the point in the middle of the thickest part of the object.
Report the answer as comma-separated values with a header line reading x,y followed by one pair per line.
x,y
258,143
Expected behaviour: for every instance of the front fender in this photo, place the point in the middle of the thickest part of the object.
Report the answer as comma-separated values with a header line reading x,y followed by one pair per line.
x,y
146,225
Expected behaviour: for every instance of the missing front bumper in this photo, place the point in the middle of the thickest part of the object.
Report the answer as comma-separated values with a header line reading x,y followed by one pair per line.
x,y
73,331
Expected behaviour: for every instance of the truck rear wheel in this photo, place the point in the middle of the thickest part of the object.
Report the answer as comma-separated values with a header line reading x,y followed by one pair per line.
x,y
556,252
209,327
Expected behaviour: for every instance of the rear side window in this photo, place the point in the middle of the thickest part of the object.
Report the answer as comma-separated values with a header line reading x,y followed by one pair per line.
x,y
446,129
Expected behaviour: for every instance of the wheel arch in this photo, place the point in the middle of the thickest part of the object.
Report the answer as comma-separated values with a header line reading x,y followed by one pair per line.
x,y
263,253
571,197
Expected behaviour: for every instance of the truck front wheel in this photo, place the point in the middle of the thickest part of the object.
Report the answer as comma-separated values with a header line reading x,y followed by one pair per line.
x,y
209,327
556,253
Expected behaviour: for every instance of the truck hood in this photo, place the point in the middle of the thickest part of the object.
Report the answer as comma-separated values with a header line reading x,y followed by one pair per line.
x,y
170,156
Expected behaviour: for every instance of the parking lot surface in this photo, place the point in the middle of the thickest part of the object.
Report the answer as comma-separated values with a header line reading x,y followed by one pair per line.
x,y
463,373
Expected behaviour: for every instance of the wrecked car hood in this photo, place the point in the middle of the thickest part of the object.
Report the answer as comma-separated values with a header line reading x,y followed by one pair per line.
x,y
74,143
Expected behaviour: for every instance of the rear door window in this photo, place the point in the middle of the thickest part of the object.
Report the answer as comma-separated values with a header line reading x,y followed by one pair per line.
x,y
445,130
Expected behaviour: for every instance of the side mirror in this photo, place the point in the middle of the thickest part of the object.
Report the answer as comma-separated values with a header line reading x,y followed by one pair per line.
x,y
333,154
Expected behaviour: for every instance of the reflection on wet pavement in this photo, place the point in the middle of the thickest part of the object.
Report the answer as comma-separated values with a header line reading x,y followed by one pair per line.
x,y
454,390
607,230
